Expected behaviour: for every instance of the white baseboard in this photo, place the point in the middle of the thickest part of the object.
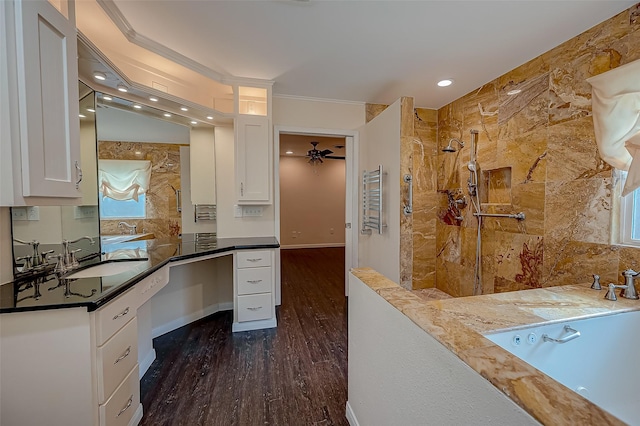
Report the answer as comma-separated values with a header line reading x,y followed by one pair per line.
x,y
188,319
351,417
321,245
146,362
254,325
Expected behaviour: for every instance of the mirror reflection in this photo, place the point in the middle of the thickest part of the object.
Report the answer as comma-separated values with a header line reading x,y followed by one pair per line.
x,y
137,173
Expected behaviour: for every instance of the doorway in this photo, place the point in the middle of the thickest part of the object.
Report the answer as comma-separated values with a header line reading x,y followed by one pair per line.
x,y
328,137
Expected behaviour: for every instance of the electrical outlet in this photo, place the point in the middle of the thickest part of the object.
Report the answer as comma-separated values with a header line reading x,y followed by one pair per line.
x,y
85,212
331,231
33,213
237,211
252,210
19,213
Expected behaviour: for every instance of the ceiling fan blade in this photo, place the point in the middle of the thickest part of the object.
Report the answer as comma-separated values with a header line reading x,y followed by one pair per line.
x,y
326,152
334,157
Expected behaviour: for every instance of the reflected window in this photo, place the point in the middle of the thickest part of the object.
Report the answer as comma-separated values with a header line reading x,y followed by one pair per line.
x,y
123,209
630,216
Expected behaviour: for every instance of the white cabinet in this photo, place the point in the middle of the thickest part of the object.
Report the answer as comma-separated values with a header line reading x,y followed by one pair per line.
x,y
40,137
253,160
253,295
203,169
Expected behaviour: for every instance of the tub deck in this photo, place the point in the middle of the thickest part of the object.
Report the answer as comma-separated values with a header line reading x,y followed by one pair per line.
x,y
459,324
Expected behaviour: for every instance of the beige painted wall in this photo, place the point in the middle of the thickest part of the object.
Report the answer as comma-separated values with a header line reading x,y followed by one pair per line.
x,y
312,202
317,113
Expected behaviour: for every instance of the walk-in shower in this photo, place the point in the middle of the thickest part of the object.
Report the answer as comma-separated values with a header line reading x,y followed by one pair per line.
x,y
474,195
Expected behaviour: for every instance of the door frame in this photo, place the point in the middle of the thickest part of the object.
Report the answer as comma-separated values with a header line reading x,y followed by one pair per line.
x,y
351,195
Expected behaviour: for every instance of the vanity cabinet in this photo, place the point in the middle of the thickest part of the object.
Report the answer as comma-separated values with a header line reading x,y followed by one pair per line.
x,y
253,160
40,138
254,289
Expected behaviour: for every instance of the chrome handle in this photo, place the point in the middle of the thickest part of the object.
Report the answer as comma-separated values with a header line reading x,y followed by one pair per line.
x,y
78,175
408,208
179,200
124,355
255,259
567,329
121,314
255,309
126,406
254,281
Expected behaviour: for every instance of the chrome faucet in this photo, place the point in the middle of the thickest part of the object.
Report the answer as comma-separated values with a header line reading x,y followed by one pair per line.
x,y
35,260
628,289
69,260
133,229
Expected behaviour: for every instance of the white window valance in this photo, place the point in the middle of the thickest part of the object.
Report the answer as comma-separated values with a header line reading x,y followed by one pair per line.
x,y
616,119
123,179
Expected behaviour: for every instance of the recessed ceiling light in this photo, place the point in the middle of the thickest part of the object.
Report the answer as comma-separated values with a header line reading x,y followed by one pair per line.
x,y
184,109
122,88
99,76
445,82
152,99
166,114
194,122
209,117
91,110
513,92
82,116
106,98
138,152
137,106
289,152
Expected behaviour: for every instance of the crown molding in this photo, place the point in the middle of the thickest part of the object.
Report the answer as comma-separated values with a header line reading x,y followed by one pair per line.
x,y
310,99
116,16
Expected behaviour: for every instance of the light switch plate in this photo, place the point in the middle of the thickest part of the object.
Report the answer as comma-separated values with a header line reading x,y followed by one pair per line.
x,y
252,211
237,211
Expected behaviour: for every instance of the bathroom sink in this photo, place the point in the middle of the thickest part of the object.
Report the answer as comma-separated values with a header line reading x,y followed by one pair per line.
x,y
106,269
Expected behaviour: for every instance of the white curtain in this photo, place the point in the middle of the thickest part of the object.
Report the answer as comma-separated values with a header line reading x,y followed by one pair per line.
x,y
616,119
123,179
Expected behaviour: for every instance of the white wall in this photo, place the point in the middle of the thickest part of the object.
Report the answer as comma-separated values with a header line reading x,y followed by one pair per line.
x,y
189,225
312,202
316,113
117,125
400,375
380,144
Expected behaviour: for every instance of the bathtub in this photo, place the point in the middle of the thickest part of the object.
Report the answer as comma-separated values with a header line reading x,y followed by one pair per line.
x,y
601,364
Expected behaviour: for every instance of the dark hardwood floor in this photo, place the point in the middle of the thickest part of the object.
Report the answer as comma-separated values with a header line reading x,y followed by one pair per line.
x,y
295,374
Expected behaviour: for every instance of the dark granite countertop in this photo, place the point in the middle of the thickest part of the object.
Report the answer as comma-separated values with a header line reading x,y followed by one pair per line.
x,y
49,291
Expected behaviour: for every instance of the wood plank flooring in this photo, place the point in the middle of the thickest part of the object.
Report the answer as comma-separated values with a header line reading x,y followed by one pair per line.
x,y
295,374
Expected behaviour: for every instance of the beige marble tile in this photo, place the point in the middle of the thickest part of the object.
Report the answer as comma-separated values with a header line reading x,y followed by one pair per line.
x,y
373,110
573,153
573,262
373,279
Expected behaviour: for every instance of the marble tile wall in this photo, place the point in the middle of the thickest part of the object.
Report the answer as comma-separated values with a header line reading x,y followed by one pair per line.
x,y
544,137
163,219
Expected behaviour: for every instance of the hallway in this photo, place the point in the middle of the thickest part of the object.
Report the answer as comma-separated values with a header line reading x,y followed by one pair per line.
x,y
295,374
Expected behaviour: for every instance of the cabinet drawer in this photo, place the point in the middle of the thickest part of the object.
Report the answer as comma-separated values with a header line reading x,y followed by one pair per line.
x,y
254,280
255,307
152,284
116,358
254,258
115,315
120,408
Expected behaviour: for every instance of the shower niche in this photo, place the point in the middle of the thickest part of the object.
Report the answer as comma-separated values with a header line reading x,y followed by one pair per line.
x,y
495,187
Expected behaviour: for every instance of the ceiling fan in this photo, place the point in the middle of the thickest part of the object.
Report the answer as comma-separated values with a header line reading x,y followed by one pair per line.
x,y
315,155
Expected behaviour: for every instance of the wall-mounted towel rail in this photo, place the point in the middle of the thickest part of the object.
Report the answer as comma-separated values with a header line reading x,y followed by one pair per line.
x,y
204,212
372,201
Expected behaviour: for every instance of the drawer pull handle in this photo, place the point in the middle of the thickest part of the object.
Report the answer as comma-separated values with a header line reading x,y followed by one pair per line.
x,y
255,308
124,355
121,314
255,259
254,281
126,406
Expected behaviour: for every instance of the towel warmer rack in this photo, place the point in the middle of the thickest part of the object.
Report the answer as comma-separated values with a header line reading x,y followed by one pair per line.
x,y
204,212
372,201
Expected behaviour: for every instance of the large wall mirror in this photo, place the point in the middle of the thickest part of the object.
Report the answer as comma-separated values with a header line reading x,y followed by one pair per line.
x,y
137,172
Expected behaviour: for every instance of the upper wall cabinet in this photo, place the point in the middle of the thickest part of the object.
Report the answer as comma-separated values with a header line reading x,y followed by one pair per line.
x,y
40,125
253,160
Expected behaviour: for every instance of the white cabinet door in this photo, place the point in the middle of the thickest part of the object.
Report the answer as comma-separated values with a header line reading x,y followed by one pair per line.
x,y
203,166
253,160
47,71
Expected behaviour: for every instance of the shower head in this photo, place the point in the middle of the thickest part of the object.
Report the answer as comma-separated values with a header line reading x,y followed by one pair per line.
x,y
450,148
